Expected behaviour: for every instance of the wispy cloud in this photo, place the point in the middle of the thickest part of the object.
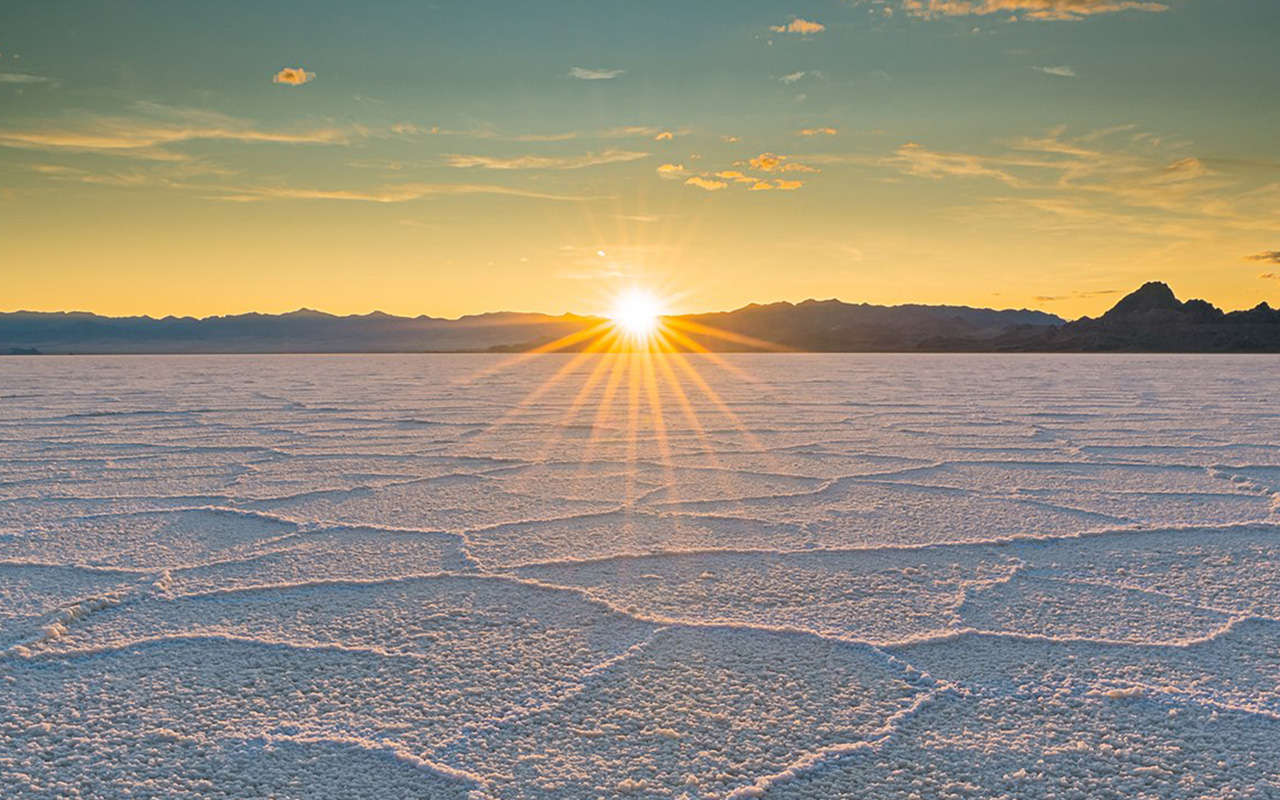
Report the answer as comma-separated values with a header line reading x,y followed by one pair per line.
x,y
397,193
794,77
922,162
1076,295
671,170
1117,178
1267,257
1061,71
625,132
293,76
212,181
494,134
544,162
802,26
24,78
169,175
664,136
584,74
1027,9
147,133
817,132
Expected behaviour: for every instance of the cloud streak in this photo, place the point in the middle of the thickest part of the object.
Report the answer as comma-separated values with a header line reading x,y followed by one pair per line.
x,y
921,162
544,162
493,134
1076,295
584,74
1118,178
175,175
1059,10
397,193
24,78
1267,257
146,134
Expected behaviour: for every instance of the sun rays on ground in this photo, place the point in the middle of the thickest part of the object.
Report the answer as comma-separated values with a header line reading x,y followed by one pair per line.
x,y
634,393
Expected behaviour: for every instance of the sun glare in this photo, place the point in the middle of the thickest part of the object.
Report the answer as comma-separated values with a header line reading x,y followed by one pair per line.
x,y
636,313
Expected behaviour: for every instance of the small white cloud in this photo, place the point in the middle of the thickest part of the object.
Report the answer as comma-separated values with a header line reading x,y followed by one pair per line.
x,y
703,183
1061,71
797,25
792,77
293,76
770,162
544,162
594,74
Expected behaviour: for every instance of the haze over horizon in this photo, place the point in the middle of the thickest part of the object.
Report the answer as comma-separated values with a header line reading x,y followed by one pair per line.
x,y
604,314
187,159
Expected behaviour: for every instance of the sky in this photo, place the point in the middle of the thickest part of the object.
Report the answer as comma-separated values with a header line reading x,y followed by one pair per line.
x,y
463,156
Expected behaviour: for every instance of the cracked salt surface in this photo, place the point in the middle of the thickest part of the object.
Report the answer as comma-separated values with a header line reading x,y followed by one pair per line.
x,y
853,576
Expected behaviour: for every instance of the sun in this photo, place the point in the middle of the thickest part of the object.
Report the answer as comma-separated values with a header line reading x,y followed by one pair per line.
x,y
636,313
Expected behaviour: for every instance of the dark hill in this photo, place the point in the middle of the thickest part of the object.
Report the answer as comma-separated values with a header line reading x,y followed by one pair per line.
x,y
1150,320
834,326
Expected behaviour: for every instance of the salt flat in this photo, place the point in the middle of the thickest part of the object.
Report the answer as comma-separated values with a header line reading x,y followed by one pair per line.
x,y
792,576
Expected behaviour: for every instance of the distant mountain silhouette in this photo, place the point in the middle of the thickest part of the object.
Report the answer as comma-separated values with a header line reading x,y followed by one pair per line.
x,y
811,325
301,331
833,326
1151,319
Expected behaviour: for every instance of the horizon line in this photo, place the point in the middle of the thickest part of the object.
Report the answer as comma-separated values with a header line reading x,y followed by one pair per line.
x,y
598,316
575,314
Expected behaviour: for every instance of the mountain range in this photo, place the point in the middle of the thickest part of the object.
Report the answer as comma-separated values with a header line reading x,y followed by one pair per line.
x,y
1151,319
